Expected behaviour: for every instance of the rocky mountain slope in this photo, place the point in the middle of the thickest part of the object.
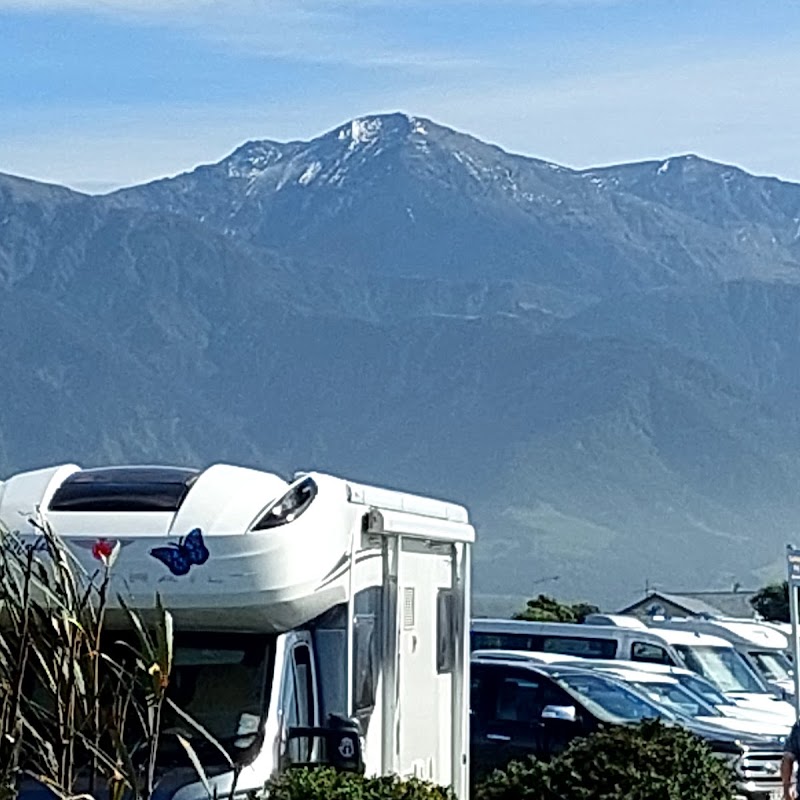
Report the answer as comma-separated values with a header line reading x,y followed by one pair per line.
x,y
601,364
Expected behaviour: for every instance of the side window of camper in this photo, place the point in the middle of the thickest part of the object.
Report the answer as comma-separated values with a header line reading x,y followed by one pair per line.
x,y
298,701
366,651
501,641
578,646
646,651
445,631
330,651
304,681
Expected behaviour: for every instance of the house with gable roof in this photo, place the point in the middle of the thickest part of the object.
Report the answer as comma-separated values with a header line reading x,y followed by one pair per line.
x,y
693,604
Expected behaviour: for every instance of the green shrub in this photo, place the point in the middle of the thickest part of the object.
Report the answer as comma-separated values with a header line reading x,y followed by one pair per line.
x,y
326,783
649,761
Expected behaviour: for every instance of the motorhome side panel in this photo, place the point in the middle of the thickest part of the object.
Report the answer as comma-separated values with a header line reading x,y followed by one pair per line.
x,y
426,662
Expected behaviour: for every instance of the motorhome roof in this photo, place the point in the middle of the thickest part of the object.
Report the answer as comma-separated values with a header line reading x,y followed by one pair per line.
x,y
667,635
735,631
227,547
529,626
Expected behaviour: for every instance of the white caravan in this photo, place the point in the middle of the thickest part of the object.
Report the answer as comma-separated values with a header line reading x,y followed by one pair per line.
x,y
762,646
293,601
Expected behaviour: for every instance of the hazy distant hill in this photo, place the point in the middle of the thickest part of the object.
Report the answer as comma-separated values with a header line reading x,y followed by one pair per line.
x,y
603,365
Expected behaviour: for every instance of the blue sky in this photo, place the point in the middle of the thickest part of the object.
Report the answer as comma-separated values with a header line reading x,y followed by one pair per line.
x,y
102,93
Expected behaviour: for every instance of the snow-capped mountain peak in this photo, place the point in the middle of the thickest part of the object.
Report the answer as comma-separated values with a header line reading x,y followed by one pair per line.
x,y
360,131
252,158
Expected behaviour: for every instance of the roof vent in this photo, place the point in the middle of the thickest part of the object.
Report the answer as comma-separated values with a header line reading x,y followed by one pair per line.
x,y
124,489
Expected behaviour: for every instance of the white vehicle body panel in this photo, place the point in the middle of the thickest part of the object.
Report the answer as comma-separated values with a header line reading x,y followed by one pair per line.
x,y
349,543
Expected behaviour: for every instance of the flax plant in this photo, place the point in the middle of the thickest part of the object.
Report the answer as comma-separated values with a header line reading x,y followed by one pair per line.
x,y
77,715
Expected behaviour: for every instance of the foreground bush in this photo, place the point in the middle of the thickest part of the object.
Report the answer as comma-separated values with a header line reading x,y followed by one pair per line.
x,y
649,761
325,783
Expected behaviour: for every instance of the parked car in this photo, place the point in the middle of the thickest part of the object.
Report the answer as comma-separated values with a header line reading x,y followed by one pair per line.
x,y
666,691
737,706
520,708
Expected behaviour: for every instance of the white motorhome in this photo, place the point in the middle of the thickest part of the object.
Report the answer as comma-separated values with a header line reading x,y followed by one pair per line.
x,y
762,646
293,601
710,656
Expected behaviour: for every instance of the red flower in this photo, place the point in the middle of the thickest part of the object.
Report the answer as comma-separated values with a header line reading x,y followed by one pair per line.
x,y
102,549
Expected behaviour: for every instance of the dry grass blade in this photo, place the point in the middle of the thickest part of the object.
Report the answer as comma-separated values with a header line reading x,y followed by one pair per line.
x,y
202,731
198,767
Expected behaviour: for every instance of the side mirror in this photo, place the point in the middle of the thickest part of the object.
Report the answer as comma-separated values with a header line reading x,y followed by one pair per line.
x,y
566,713
341,740
345,744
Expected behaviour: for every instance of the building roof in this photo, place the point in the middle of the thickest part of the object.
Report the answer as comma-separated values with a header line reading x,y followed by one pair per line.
x,y
701,604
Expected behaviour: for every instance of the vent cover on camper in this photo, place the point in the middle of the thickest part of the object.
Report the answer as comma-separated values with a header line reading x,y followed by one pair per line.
x,y
408,608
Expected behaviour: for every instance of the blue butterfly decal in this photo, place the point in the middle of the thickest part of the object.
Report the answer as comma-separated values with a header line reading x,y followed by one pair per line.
x,y
179,558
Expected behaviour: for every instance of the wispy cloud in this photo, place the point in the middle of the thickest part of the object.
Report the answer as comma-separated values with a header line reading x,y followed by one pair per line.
x,y
370,33
155,7
734,109
307,31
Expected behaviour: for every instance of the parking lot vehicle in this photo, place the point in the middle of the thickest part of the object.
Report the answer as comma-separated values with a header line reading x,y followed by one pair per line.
x,y
668,692
763,647
521,708
778,715
771,710
709,656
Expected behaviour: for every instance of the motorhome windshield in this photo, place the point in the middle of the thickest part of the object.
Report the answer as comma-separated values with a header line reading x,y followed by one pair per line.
x,y
772,664
222,682
723,666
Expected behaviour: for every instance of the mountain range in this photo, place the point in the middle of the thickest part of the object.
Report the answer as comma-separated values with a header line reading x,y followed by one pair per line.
x,y
602,364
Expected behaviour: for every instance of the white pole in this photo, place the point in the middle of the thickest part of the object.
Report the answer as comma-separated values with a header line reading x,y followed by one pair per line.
x,y
793,559
391,620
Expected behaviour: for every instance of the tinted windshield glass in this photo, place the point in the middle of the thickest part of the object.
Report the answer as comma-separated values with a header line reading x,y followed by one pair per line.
x,y
611,698
222,681
723,666
702,688
772,664
675,697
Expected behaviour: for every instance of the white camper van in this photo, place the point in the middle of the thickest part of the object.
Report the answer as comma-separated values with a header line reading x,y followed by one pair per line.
x,y
710,656
293,601
762,646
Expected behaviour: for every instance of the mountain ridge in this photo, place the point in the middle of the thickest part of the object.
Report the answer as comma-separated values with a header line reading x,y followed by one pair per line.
x,y
606,374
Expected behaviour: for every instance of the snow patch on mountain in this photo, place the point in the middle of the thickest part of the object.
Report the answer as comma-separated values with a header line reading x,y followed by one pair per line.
x,y
251,159
310,173
361,131
417,126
